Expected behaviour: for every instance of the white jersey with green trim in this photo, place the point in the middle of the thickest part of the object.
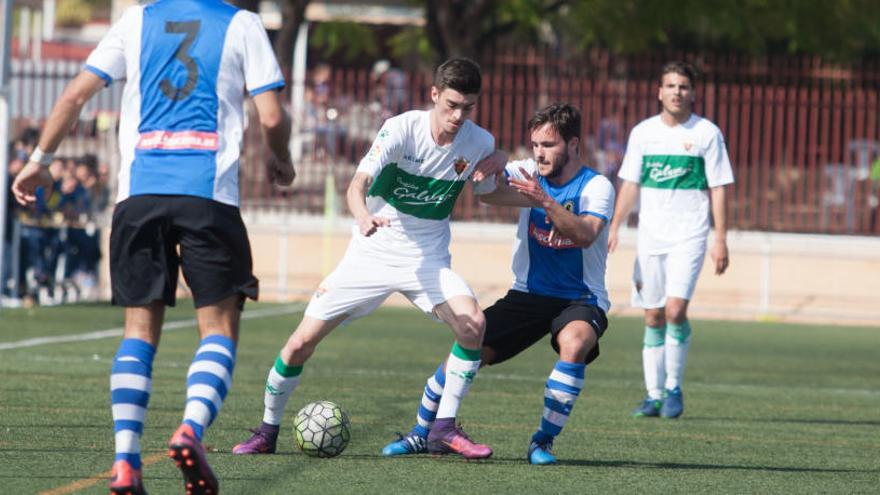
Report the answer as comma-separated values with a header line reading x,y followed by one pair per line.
x,y
675,167
415,185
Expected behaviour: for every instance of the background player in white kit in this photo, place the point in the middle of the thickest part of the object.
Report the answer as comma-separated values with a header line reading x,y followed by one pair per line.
x,y
401,197
559,276
188,65
676,163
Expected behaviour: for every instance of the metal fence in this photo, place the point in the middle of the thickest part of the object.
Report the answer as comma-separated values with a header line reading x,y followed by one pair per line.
x,y
804,138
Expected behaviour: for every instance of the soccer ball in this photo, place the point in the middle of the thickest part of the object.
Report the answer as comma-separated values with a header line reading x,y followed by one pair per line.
x,y
322,429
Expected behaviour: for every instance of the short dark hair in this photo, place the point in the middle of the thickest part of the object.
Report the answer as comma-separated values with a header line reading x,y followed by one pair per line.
x,y
681,68
461,74
565,118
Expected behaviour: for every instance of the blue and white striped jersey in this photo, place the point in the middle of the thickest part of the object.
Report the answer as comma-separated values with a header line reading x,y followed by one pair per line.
x,y
565,271
187,65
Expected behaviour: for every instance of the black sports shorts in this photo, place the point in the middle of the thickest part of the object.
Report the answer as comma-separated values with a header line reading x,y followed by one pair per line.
x,y
519,319
214,252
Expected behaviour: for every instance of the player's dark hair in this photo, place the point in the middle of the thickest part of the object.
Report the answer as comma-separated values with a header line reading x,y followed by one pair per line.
x,y
461,74
681,68
565,118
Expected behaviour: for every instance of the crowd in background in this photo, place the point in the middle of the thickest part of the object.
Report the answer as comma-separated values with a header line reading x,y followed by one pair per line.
x,y
53,246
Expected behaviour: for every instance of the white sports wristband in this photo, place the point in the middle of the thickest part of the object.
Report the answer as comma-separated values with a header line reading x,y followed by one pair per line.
x,y
41,157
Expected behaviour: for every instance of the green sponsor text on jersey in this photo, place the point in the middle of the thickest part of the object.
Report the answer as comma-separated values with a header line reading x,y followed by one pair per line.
x,y
421,197
674,172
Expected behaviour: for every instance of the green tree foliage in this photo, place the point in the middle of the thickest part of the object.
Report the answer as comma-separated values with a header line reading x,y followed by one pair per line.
x,y
350,38
833,29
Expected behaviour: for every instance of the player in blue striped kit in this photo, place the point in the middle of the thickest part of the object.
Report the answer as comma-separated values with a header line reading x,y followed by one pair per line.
x,y
559,275
188,65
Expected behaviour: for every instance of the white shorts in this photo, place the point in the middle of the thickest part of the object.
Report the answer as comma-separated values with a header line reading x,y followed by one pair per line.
x,y
360,284
658,276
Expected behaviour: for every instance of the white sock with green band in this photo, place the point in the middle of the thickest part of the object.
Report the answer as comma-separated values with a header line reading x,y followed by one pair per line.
x,y
461,368
280,384
678,342
654,362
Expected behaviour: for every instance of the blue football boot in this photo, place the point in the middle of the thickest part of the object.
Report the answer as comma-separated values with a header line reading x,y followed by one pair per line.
x,y
539,453
673,404
649,408
410,443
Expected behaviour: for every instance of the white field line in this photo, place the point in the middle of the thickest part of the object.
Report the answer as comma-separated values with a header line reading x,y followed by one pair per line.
x,y
117,332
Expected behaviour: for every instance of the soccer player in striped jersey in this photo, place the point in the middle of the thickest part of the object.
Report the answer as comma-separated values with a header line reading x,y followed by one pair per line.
x,y
676,165
188,65
401,197
559,276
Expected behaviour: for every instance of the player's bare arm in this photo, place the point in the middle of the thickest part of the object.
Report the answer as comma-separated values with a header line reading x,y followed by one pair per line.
x,y
581,229
718,251
504,195
356,196
276,131
626,199
60,120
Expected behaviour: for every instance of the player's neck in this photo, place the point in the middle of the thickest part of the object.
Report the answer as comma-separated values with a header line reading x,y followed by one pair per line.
x,y
568,172
440,137
673,120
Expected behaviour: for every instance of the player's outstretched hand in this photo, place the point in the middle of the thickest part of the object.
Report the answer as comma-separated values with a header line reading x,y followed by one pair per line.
x,y
720,256
489,166
370,224
280,171
32,176
529,187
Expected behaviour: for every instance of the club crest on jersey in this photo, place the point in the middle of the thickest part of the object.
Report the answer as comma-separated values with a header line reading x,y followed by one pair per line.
x,y
688,146
460,165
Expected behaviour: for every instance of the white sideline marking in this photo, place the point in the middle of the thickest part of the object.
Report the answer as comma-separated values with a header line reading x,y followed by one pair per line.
x,y
116,332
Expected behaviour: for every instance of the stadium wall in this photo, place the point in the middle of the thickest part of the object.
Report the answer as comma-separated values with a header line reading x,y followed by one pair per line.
x,y
784,277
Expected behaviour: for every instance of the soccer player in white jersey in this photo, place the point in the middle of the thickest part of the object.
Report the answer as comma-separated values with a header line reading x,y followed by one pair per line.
x,y
401,197
559,276
677,165
187,66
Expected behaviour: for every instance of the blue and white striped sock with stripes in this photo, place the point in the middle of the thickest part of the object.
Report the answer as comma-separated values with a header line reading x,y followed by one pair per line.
x,y
560,393
130,385
208,381
430,402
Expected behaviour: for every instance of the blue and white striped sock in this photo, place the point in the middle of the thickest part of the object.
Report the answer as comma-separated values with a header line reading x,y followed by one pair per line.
x,y
560,393
208,381
430,402
130,385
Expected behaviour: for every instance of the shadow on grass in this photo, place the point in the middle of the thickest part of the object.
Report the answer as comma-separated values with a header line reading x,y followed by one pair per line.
x,y
680,465
840,422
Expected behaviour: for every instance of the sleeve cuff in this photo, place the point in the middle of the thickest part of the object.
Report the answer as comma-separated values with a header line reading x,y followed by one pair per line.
x,y
98,72
262,89
598,215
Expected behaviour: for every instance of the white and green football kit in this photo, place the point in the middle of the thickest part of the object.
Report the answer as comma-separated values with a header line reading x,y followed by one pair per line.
x,y
415,185
675,167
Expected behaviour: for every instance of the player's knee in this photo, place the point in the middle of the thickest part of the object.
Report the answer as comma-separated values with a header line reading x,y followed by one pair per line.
x,y
676,312
575,340
470,328
655,318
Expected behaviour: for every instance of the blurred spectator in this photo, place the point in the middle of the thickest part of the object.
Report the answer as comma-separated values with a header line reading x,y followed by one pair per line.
x,y
391,91
53,247
321,113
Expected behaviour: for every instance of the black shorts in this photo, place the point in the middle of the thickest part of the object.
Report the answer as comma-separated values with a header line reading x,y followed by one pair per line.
x,y
214,252
519,319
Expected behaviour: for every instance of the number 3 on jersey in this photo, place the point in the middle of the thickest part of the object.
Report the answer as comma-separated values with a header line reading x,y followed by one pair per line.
x,y
190,29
